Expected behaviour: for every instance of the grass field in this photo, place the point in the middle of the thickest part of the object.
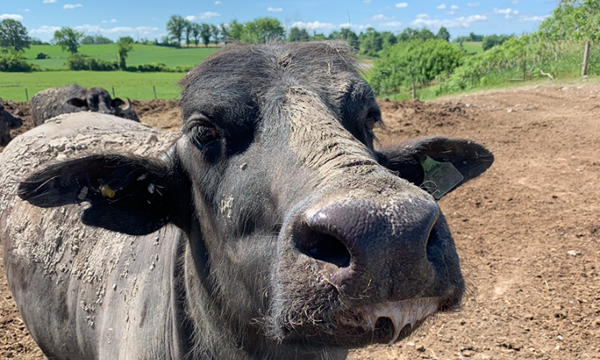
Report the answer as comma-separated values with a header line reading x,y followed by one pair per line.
x,y
133,85
470,47
141,54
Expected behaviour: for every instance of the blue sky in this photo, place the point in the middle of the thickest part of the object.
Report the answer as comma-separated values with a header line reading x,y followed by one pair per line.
x,y
147,19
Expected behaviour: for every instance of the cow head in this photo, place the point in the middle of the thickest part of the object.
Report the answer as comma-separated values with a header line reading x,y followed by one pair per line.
x,y
301,232
98,100
7,122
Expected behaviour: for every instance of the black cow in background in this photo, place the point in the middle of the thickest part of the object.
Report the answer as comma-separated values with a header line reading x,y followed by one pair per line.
x,y
7,122
74,98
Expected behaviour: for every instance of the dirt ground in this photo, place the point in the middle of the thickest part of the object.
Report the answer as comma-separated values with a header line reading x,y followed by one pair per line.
x,y
528,230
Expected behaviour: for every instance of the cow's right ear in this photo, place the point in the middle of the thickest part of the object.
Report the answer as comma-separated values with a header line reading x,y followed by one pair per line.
x,y
131,195
80,103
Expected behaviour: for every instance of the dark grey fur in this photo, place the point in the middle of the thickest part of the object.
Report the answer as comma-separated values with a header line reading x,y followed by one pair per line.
x,y
276,227
74,98
8,122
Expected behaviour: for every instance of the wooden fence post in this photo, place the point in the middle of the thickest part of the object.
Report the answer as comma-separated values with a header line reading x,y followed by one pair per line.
x,y
586,56
113,89
154,88
26,94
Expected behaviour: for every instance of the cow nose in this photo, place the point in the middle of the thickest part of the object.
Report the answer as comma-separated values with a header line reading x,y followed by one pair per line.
x,y
367,237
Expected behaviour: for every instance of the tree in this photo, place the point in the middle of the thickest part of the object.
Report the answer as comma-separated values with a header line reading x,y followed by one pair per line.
x,y
175,28
443,34
233,31
297,34
493,40
13,35
196,30
96,40
215,31
124,46
68,39
413,63
262,30
388,39
370,42
187,27
205,33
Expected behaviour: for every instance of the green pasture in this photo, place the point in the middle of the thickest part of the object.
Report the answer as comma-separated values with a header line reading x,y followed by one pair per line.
x,y
126,84
141,54
471,47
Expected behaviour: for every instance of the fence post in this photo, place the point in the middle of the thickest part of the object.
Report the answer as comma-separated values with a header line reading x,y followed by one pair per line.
x,y
154,88
26,94
586,56
113,89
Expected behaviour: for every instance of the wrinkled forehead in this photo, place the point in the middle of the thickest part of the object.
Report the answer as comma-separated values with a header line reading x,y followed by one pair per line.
x,y
243,81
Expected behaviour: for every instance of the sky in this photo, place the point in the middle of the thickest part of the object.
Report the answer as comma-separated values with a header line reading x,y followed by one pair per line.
x,y
147,19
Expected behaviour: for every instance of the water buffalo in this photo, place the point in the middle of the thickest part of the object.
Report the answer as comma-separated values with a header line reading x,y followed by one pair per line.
x,y
270,228
7,122
74,98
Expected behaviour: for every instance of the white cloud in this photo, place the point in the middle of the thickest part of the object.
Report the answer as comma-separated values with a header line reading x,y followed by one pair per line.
x,y
422,16
190,18
533,18
208,15
392,24
113,21
11,16
45,30
506,11
460,22
104,21
453,7
315,25
72,6
515,2
49,1
402,5
472,5
272,9
380,17
217,3
441,7
354,26
367,1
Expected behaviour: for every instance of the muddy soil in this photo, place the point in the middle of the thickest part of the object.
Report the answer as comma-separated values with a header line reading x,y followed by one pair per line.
x,y
528,230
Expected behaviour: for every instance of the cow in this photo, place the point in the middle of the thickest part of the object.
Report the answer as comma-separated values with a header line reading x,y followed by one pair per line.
x,y
74,98
8,121
269,227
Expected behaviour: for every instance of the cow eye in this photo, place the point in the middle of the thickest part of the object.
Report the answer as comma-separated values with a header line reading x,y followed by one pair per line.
x,y
203,135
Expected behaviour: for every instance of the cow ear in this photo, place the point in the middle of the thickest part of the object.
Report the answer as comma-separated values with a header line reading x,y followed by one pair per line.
x,y
131,195
117,102
81,103
438,164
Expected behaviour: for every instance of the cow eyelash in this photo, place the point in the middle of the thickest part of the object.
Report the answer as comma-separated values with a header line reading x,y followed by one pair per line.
x,y
203,135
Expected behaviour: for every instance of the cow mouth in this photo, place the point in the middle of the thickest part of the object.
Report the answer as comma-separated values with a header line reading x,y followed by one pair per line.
x,y
398,318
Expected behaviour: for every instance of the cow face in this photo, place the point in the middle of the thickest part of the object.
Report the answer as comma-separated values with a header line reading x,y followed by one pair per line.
x,y
99,100
7,122
300,231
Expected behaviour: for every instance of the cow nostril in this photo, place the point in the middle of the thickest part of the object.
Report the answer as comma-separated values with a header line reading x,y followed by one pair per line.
x,y
326,248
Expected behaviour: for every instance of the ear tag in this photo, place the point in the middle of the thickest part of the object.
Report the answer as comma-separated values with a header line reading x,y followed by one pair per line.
x,y
440,177
107,191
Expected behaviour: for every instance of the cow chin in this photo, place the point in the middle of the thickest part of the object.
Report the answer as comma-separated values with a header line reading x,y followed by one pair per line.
x,y
382,323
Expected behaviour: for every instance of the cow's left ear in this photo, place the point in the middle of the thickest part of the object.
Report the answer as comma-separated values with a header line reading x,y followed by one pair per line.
x,y
438,164
131,195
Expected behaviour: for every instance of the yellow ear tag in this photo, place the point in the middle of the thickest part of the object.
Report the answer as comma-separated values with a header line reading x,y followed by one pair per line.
x,y
440,177
107,191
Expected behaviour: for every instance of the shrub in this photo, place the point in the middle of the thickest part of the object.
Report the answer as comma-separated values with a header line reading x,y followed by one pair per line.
x,y
79,62
42,56
13,62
